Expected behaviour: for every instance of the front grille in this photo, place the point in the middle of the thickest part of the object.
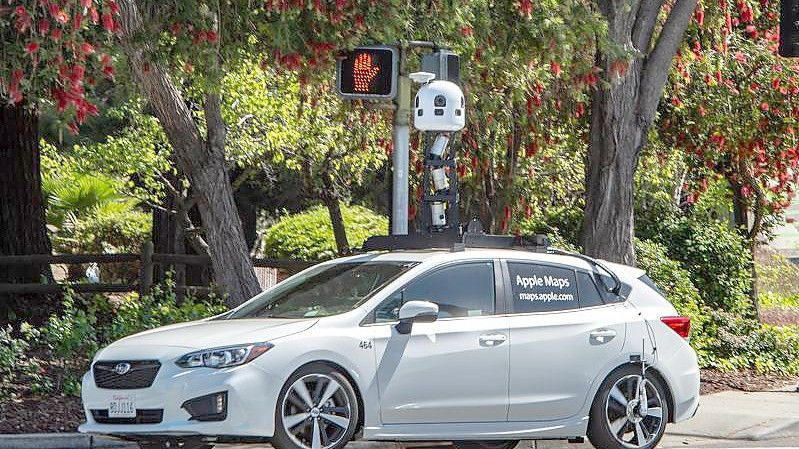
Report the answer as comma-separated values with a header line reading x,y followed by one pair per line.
x,y
141,374
143,416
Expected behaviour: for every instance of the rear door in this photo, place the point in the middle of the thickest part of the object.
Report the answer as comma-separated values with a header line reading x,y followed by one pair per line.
x,y
558,345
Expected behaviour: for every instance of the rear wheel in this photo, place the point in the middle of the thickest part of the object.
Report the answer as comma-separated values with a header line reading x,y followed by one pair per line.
x,y
629,412
484,444
317,409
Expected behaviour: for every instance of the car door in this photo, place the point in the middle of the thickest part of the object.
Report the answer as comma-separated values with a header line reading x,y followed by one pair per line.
x,y
557,347
454,369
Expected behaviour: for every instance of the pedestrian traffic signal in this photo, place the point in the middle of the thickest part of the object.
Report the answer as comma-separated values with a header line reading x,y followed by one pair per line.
x,y
789,28
368,73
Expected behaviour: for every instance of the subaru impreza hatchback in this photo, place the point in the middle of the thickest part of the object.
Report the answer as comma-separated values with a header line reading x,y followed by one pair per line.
x,y
482,347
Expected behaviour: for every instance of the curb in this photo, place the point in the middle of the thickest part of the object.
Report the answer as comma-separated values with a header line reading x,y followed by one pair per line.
x,y
61,441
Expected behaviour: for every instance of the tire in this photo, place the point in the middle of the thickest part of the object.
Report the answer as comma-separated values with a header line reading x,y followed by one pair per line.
x,y
616,421
486,444
316,409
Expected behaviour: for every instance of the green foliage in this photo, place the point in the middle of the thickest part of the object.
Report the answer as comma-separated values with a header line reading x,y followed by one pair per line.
x,y
18,367
309,234
716,257
775,300
742,343
137,313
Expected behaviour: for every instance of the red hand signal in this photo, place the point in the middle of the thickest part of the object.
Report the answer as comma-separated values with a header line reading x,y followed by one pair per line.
x,y
364,72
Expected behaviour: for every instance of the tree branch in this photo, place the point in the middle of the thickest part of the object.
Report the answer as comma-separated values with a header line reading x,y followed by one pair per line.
x,y
645,24
658,62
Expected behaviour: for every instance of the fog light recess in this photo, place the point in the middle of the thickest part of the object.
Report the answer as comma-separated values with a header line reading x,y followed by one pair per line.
x,y
211,407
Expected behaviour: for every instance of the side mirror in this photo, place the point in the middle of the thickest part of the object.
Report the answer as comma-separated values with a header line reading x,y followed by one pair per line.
x,y
411,311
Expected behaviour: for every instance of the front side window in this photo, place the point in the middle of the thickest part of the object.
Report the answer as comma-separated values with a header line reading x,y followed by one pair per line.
x,y
323,291
542,288
462,290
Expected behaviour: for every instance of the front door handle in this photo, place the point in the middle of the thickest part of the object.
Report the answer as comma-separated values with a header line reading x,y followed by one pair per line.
x,y
492,339
601,336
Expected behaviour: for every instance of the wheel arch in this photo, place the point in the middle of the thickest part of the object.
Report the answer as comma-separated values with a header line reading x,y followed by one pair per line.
x,y
350,378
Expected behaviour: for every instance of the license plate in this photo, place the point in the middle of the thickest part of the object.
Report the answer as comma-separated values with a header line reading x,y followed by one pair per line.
x,y
122,406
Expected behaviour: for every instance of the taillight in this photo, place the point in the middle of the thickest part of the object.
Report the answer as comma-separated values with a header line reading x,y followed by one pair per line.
x,y
679,324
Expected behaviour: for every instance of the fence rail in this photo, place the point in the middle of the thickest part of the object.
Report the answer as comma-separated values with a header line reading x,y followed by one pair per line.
x,y
147,259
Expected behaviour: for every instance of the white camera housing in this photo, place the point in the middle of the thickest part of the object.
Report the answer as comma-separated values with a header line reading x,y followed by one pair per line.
x,y
439,106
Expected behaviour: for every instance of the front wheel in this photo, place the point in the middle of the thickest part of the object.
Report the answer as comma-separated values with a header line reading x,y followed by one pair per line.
x,y
629,411
316,409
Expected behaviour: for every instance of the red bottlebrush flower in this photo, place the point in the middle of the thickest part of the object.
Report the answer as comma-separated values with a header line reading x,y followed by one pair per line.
x,y
555,68
44,27
740,57
73,128
764,107
108,21
108,71
700,17
95,15
507,212
105,59
467,31
212,36
62,17
53,8
174,28
77,21
580,110
526,8
23,19
775,83
676,101
32,47
86,48
751,31
702,111
86,3
532,149
113,6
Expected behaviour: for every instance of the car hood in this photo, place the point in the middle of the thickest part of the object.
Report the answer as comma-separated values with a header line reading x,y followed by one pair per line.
x,y
177,339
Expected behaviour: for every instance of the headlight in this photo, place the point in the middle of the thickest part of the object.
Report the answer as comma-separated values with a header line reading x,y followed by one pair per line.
x,y
223,357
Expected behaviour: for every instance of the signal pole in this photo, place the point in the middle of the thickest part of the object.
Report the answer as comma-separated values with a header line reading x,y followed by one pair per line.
x,y
400,156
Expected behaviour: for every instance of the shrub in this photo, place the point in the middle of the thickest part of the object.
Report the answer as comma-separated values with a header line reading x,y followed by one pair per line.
x,y
138,313
675,282
716,258
743,343
309,234
20,372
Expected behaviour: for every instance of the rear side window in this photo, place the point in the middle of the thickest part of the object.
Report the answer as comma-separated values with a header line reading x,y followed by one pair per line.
x,y
588,290
651,284
542,288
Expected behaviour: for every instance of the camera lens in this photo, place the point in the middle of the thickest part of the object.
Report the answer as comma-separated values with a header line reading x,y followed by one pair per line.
x,y
440,101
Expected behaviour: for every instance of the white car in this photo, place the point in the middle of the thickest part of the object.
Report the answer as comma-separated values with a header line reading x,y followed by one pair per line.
x,y
483,347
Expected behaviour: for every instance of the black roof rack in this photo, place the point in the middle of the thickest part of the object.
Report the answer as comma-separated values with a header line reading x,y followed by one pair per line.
x,y
472,238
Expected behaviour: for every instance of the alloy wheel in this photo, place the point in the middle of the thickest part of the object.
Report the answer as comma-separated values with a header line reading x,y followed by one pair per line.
x,y
316,411
634,411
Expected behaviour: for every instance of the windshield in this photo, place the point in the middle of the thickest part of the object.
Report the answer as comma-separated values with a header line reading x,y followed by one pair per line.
x,y
323,291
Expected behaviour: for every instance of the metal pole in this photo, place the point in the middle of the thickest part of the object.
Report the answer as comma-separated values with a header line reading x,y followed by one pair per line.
x,y
401,136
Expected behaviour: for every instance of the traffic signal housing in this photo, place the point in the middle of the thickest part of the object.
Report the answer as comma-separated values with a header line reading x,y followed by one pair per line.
x,y
789,28
368,73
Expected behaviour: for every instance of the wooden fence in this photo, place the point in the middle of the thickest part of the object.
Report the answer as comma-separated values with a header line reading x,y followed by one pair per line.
x,y
148,259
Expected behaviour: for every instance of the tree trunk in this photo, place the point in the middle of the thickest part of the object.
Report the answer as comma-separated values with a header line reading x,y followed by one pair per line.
x,y
621,115
22,213
614,142
333,203
202,160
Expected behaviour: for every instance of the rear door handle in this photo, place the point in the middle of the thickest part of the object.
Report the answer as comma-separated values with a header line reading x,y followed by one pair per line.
x,y
601,336
492,339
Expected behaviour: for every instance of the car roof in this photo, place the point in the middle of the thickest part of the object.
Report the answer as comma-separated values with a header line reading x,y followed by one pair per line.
x,y
436,256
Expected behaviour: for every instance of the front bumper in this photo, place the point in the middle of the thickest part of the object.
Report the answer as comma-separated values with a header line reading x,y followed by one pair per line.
x,y
252,395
